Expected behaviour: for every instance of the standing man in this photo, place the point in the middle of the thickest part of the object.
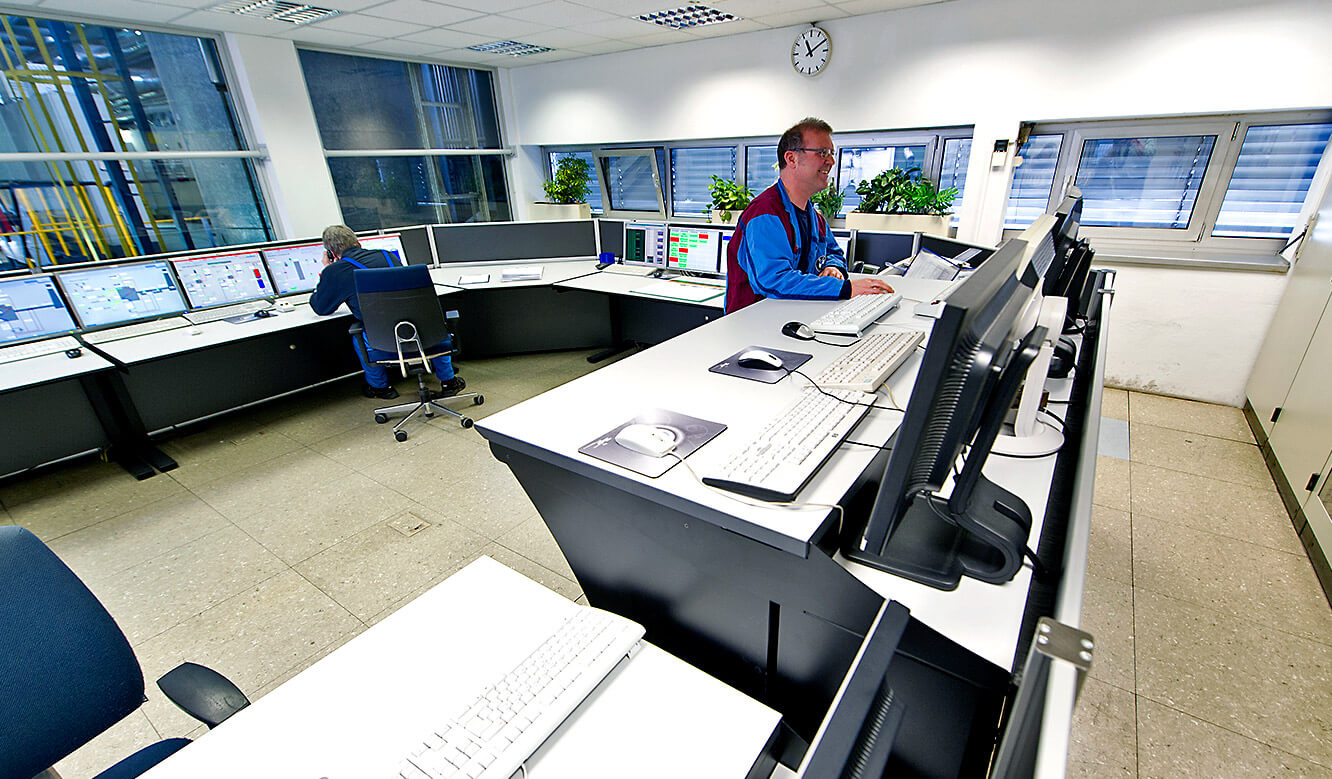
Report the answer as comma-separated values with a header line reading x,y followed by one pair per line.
x,y
343,255
782,247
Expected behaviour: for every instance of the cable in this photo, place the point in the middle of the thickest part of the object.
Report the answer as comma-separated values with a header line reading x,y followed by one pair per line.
x,y
1058,422
761,503
816,386
881,447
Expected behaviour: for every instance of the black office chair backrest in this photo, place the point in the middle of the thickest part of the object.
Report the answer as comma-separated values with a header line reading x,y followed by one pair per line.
x,y
67,673
389,296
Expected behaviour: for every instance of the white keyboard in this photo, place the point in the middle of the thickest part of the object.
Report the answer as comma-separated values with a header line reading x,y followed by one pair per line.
x,y
226,312
777,462
37,348
136,329
506,723
521,273
853,315
864,366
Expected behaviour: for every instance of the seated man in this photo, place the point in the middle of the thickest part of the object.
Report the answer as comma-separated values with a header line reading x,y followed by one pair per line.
x,y
782,246
342,256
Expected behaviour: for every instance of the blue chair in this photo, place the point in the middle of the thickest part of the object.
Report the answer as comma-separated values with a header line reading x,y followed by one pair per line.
x,y
67,672
401,315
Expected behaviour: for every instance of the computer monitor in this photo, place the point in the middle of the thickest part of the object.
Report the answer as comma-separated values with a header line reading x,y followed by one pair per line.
x,y
645,243
972,351
31,308
694,249
110,295
218,279
392,243
294,269
843,239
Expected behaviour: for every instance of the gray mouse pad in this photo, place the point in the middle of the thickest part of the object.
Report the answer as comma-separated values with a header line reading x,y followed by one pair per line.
x,y
790,361
690,432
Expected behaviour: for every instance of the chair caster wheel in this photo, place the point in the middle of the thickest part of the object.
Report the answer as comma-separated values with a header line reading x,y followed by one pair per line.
x,y
478,400
380,419
400,436
466,423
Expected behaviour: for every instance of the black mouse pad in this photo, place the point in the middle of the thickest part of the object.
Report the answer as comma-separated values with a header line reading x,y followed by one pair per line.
x,y
790,361
690,433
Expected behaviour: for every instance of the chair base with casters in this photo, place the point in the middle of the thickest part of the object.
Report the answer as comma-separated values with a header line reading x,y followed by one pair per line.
x,y
416,362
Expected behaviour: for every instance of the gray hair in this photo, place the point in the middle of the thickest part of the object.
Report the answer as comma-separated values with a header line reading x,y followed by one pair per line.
x,y
339,239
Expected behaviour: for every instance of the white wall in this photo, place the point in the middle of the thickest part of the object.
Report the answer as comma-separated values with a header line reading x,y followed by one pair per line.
x,y
992,64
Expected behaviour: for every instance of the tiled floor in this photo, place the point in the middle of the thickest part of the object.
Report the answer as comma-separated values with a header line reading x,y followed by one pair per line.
x,y
1214,641
286,531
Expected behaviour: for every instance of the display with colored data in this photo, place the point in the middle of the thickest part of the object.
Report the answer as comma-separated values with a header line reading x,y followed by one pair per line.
x,y
30,308
295,268
694,249
391,243
218,279
116,294
645,244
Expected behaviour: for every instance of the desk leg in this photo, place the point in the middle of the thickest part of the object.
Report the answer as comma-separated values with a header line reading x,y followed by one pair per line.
x,y
130,446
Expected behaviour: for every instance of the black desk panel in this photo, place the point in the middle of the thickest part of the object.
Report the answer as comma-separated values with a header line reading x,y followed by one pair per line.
x,y
48,422
528,319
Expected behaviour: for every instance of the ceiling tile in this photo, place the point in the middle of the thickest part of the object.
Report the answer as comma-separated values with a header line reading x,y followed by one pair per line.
x,y
369,25
628,7
561,14
400,48
610,46
337,5
563,39
728,28
621,28
446,39
792,18
249,25
660,36
309,34
422,12
124,11
493,6
860,7
752,8
501,28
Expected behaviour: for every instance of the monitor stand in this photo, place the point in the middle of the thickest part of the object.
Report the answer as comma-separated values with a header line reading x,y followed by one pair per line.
x,y
1028,435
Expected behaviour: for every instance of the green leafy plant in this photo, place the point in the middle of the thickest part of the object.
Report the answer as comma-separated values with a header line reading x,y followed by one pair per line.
x,y
570,182
728,196
898,191
829,201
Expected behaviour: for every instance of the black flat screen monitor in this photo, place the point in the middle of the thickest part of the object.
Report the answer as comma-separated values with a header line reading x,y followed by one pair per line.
x,y
219,279
910,531
1068,217
109,295
645,243
31,308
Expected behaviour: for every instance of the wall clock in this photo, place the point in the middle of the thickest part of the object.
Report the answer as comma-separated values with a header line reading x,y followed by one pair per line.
x,y
810,52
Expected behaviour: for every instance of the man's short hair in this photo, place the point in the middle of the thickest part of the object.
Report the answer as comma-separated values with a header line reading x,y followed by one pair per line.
x,y
794,138
340,238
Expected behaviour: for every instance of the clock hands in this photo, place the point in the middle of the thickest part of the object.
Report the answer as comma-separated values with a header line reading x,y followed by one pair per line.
x,y
808,49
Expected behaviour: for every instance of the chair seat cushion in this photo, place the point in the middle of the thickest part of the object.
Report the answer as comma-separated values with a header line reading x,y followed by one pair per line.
x,y
144,759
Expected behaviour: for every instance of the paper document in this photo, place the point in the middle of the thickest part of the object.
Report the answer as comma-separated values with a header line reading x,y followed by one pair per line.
x,y
928,265
680,290
474,278
521,273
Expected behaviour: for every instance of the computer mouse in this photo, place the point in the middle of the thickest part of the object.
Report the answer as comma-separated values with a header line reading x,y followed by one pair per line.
x,y
759,359
73,353
263,314
798,330
651,440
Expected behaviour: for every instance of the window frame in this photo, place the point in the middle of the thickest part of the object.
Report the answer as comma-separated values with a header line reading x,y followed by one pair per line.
x,y
608,209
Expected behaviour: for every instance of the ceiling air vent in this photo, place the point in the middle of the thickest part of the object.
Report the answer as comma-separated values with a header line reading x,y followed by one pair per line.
x,y
276,10
512,48
687,16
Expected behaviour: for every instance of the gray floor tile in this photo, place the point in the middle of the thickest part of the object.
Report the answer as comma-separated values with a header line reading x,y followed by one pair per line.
x,y
1114,439
367,445
532,539
117,743
1103,742
1271,686
1107,613
1217,458
538,573
1115,403
1251,582
216,452
293,475
1112,483
1110,548
79,495
1190,416
1172,744
327,417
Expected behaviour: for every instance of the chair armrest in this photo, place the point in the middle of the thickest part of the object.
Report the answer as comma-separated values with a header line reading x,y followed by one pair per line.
x,y
356,328
202,693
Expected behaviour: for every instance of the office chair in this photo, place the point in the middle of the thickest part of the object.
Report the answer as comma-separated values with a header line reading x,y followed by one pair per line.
x,y
400,312
67,673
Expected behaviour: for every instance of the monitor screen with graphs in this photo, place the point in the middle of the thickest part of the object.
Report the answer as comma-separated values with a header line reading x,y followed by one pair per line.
x,y
30,308
217,279
115,294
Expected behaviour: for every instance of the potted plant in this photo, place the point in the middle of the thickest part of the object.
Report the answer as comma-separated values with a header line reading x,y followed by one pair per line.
x,y
567,191
829,202
899,200
728,200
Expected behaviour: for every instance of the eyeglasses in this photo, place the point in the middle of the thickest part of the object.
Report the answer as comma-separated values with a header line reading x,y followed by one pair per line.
x,y
827,154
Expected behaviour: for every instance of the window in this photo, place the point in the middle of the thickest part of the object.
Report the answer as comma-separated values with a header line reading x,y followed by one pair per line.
x,y
72,87
953,169
372,112
692,170
760,167
1272,175
630,182
1142,181
593,191
858,164
1029,197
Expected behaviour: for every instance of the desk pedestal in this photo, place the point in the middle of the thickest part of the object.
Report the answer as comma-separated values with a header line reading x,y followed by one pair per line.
x,y
48,422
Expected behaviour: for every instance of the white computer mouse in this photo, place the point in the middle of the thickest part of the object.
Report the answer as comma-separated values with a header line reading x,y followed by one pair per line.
x,y
651,440
760,359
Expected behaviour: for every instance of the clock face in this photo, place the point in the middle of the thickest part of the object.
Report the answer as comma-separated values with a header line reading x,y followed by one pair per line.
x,y
810,52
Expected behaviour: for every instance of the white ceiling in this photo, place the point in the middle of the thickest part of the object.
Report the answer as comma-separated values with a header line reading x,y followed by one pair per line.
x,y
442,30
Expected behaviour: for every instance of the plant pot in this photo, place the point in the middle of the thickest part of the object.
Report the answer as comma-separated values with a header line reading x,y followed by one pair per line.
x,y
898,223
550,212
714,217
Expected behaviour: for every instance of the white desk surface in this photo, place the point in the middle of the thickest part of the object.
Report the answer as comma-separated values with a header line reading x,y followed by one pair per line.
x,y
355,713
47,368
982,617
628,280
553,270
184,339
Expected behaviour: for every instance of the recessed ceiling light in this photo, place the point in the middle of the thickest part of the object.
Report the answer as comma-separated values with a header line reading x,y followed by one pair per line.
x,y
512,48
687,16
276,10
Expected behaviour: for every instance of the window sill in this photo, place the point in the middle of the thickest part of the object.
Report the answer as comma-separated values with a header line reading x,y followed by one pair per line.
x,y
1199,258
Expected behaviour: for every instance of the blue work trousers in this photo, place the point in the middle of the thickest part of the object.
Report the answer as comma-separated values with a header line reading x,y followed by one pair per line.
x,y
377,375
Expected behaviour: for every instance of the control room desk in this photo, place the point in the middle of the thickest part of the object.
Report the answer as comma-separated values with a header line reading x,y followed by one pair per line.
x,y
756,595
639,318
52,409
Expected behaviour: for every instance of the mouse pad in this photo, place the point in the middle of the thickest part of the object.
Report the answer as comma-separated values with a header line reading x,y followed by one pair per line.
x,y
790,361
690,432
